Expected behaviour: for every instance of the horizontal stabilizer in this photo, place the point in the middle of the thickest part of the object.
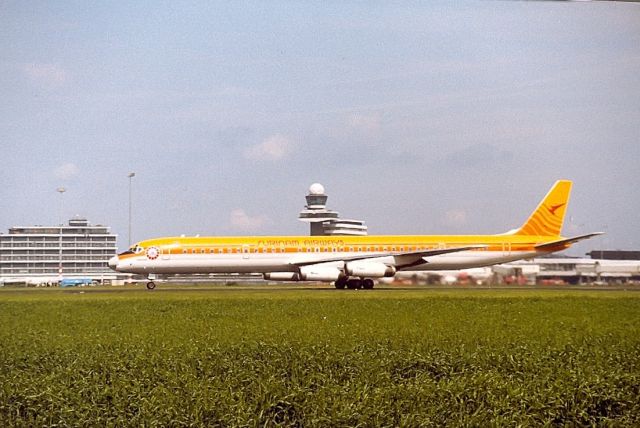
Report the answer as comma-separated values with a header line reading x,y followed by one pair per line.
x,y
564,241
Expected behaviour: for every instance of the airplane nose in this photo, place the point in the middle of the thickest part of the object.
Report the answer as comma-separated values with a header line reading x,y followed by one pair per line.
x,y
113,262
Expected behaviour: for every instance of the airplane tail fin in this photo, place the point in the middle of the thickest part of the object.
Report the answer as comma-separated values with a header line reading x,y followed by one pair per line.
x,y
548,217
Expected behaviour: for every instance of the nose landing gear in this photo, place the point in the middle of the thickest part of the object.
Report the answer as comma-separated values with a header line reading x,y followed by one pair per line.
x,y
151,284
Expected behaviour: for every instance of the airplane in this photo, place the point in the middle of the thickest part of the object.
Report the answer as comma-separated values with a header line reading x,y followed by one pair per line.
x,y
351,261
37,281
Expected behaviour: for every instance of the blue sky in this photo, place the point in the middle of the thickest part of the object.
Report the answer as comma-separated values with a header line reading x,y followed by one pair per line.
x,y
419,117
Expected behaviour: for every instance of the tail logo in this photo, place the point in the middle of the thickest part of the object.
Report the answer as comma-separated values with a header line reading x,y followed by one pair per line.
x,y
554,208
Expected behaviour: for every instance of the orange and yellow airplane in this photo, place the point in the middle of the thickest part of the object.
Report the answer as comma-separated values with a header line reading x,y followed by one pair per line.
x,y
351,261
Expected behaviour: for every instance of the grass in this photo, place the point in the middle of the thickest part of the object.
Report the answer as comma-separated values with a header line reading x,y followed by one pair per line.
x,y
312,357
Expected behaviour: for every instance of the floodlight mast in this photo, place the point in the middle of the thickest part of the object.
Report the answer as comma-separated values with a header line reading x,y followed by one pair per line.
x,y
131,175
60,190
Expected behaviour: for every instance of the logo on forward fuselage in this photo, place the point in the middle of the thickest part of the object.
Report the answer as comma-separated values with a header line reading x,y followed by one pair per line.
x,y
152,253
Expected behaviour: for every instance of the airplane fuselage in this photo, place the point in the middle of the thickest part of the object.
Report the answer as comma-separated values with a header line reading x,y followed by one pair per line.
x,y
184,255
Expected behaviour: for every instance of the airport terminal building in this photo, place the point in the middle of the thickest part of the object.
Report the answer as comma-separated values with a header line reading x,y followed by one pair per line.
x,y
46,253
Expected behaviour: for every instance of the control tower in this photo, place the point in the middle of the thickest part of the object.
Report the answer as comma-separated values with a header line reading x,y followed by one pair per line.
x,y
323,221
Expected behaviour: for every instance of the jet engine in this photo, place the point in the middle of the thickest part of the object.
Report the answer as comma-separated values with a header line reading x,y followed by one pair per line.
x,y
315,273
369,270
307,273
282,276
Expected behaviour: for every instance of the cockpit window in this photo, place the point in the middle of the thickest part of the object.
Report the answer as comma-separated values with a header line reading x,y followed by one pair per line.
x,y
135,249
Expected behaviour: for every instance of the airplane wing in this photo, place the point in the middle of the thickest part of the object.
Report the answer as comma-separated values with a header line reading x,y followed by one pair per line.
x,y
402,260
554,244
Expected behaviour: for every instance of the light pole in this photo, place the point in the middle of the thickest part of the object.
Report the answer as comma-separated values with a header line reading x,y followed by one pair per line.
x,y
131,175
60,190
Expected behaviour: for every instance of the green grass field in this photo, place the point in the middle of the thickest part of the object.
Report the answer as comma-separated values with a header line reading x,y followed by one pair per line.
x,y
225,356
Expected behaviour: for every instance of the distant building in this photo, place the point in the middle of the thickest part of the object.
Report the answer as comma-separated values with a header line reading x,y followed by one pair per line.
x,y
49,252
341,226
323,221
573,270
614,255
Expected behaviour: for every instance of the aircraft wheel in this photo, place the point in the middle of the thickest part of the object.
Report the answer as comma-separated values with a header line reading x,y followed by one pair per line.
x,y
354,284
151,285
367,284
340,283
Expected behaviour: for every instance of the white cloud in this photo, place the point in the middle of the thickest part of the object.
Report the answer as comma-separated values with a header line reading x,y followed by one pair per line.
x,y
455,217
240,220
66,171
47,74
367,124
274,148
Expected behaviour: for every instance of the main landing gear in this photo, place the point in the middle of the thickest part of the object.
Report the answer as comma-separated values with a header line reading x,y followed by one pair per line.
x,y
354,283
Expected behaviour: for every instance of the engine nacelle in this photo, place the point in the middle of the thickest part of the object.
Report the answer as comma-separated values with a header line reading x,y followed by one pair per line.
x,y
369,269
315,273
281,276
